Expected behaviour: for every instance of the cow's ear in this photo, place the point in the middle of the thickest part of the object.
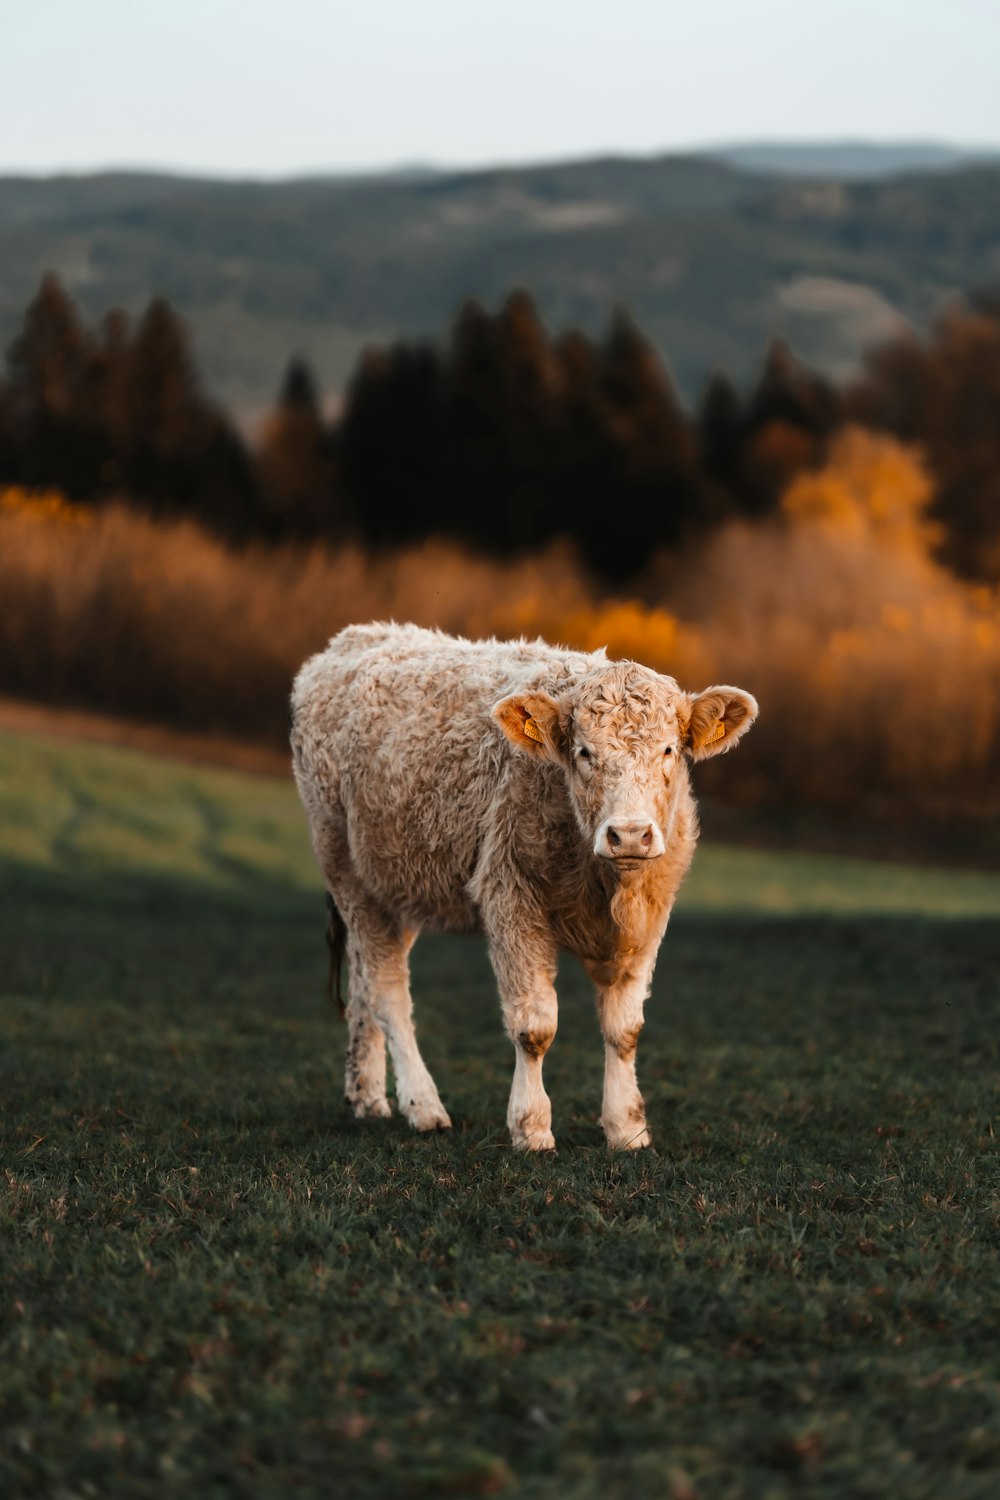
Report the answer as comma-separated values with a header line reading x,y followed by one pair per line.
x,y
532,722
716,719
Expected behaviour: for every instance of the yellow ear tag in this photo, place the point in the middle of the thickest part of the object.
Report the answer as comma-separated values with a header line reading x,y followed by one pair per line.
x,y
718,733
533,732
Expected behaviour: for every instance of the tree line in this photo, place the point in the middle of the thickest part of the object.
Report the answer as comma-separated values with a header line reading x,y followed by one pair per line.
x,y
502,434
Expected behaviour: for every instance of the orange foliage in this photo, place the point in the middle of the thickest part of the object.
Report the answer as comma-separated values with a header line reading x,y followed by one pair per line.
x,y
41,505
876,670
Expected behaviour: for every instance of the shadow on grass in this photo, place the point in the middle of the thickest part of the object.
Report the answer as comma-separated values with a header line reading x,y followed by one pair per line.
x,y
164,1000
218,1273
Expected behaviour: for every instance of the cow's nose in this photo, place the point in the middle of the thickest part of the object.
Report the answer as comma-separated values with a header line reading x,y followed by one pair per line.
x,y
632,838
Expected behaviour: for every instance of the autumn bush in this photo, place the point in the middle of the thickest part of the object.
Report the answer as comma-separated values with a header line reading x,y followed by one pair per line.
x,y
109,609
876,669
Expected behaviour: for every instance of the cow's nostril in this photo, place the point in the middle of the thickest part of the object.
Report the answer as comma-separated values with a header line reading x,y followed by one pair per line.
x,y
647,838
614,839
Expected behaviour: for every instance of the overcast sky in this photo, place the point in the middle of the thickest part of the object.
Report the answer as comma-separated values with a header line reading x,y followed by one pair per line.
x,y
263,88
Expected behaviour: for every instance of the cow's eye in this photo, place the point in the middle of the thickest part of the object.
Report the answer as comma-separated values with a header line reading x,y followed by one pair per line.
x,y
669,750
583,753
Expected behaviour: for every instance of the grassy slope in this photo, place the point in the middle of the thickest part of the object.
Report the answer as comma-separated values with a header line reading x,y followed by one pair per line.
x,y
212,1282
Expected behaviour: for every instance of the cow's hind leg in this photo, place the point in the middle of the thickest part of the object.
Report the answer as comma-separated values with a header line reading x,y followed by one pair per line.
x,y
379,1008
364,1070
385,952
364,1073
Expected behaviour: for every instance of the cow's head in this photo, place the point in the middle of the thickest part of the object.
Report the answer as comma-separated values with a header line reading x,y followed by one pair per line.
x,y
621,735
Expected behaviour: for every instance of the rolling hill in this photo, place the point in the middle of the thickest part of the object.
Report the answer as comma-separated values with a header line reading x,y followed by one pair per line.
x,y
712,258
850,158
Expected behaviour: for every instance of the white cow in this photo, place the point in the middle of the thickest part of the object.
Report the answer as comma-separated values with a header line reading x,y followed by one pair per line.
x,y
539,795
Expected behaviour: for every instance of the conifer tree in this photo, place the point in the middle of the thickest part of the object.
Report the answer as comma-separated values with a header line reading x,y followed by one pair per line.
x,y
502,380
176,450
295,462
721,425
45,366
789,392
785,424
655,484
390,443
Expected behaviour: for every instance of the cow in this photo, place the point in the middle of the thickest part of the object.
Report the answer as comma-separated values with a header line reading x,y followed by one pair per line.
x,y
538,795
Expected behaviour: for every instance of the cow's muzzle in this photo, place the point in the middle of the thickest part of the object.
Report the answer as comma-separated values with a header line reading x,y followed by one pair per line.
x,y
628,840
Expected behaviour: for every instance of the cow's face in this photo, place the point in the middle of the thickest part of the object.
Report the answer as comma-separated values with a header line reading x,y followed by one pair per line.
x,y
620,736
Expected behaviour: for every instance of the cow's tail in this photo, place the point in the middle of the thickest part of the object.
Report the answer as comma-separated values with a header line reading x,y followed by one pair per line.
x,y
336,942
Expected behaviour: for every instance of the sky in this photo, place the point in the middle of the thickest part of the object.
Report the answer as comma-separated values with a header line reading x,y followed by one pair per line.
x,y
265,89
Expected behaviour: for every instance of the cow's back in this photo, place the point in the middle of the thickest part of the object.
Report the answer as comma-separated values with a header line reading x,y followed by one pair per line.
x,y
393,733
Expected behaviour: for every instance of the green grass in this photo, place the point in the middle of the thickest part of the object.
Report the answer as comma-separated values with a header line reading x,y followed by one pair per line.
x,y
214,1282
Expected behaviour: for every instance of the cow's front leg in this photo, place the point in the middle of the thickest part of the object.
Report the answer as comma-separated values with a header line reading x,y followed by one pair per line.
x,y
526,975
531,1025
623,1113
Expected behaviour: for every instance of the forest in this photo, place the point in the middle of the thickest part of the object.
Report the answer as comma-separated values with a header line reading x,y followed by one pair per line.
x,y
501,435
833,547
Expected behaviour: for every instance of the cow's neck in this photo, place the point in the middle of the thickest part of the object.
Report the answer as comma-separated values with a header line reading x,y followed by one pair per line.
x,y
633,902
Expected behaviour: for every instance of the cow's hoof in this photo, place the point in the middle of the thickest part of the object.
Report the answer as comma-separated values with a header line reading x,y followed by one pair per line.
x,y
540,1140
634,1141
371,1109
429,1117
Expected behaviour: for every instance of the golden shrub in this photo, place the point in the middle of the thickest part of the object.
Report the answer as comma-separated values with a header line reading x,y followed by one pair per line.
x,y
876,669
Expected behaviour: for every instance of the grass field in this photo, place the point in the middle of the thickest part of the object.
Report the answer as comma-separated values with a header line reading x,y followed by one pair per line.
x,y
214,1282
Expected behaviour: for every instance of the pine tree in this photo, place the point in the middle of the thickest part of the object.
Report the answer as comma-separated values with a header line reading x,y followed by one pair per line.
x,y
162,424
390,445
657,485
784,428
176,451
45,366
721,426
502,382
789,392
295,462
45,360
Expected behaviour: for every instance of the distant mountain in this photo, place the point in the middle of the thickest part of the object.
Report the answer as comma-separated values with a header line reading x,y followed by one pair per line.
x,y
712,259
850,159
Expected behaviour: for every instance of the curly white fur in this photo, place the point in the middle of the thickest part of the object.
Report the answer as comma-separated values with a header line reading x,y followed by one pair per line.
x,y
470,786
